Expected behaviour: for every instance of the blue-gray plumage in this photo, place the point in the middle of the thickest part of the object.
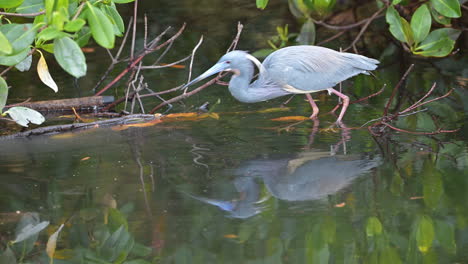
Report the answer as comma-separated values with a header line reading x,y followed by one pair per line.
x,y
290,70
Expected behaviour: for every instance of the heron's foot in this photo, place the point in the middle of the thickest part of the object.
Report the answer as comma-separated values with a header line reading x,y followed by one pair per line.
x,y
314,116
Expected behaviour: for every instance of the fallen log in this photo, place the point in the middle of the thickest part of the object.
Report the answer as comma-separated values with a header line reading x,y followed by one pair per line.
x,y
81,104
49,130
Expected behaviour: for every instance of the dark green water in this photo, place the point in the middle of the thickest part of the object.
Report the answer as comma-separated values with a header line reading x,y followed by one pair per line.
x,y
243,188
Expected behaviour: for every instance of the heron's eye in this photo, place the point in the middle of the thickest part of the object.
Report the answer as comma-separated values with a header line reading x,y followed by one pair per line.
x,y
228,62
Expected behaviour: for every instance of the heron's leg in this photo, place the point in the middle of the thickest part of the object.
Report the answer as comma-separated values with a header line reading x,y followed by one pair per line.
x,y
345,103
315,109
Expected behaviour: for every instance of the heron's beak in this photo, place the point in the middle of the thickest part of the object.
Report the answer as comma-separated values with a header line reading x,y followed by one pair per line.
x,y
218,67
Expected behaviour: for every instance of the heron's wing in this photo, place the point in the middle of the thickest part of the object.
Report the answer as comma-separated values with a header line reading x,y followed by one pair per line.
x,y
305,69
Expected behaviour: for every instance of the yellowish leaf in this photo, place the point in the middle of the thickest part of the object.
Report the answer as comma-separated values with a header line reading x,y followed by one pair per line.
x,y
52,244
44,75
290,118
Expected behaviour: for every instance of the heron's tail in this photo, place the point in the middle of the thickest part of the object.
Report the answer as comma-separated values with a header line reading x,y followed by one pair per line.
x,y
361,62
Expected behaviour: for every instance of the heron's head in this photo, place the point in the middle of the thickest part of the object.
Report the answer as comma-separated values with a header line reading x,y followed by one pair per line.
x,y
234,61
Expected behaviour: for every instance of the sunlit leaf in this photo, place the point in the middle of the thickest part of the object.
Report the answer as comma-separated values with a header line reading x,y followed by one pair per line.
x,y
290,118
307,34
49,8
421,23
101,27
3,93
373,226
30,230
70,57
50,33
44,74
5,46
25,64
15,58
10,3
52,243
396,2
424,233
20,36
30,6
122,1
23,116
261,3
448,8
74,25
394,20
323,6
298,8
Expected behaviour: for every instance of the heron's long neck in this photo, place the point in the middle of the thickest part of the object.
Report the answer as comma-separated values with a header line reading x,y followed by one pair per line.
x,y
239,84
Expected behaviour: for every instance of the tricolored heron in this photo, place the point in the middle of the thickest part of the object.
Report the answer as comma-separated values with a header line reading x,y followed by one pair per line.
x,y
291,70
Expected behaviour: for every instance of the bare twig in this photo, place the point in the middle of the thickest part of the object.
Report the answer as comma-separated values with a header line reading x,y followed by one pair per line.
x,y
191,59
364,28
141,56
80,9
135,13
115,59
22,15
405,75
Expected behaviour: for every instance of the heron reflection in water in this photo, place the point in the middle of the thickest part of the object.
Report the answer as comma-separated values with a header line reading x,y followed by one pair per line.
x,y
308,176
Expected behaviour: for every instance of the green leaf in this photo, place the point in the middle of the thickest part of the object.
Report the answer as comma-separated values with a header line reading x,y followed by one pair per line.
x,y
70,57
424,233
261,3
421,23
122,1
262,53
373,227
307,34
10,3
440,18
396,2
50,33
432,185
23,116
48,47
8,256
438,43
19,35
407,31
116,219
137,261
30,6
448,8
14,58
83,36
49,7
140,250
101,27
394,20
115,18
5,46
25,64
323,6
3,93
75,25
445,234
